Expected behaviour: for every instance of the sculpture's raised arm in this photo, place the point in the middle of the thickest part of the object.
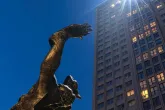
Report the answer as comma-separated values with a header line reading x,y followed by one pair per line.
x,y
53,58
46,86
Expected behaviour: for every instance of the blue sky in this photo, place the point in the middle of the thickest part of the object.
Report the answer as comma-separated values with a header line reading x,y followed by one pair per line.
x,y
25,26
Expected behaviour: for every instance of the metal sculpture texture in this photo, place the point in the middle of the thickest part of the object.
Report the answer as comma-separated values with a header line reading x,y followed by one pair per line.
x,y
46,94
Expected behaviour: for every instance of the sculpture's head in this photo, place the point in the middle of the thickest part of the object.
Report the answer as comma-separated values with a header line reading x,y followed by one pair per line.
x,y
71,83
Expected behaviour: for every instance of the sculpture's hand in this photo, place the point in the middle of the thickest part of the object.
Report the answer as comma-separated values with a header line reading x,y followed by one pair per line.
x,y
78,30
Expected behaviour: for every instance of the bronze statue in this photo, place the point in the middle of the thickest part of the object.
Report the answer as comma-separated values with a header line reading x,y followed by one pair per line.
x,y
46,94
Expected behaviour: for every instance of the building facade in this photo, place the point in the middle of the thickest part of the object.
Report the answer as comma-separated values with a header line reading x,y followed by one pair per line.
x,y
129,71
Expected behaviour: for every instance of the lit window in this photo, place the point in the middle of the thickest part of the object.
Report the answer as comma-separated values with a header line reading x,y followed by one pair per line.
x,y
113,5
145,56
151,80
153,52
154,90
134,12
134,39
118,2
113,16
147,33
130,93
143,84
152,24
154,30
138,59
145,94
160,49
141,36
132,28
160,77
129,14
159,6
146,27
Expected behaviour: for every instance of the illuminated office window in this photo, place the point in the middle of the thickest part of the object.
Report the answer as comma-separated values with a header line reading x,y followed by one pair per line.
x,y
160,77
143,84
118,2
113,5
132,28
144,94
153,52
134,39
129,14
134,11
145,56
160,49
113,16
152,24
159,6
147,33
151,80
154,30
146,27
141,36
130,93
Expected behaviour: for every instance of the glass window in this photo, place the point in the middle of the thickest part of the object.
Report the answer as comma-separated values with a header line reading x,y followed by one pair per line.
x,y
143,84
139,67
128,83
147,33
149,71
131,103
135,45
158,41
130,93
153,52
153,24
151,81
143,48
110,101
109,92
145,56
160,77
119,97
154,90
162,56
100,106
155,59
142,42
162,86
136,52
147,63
156,35
134,39
154,30
156,101
108,75
147,105
127,75
100,96
157,68
151,45
138,59
163,96
101,87
118,88
109,83
160,49
146,27
140,75
141,36
149,38
145,94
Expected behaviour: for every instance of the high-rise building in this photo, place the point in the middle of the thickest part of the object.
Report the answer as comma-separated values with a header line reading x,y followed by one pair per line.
x,y
130,55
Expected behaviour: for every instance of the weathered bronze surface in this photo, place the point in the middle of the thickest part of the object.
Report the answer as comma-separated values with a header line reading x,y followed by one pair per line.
x,y
46,94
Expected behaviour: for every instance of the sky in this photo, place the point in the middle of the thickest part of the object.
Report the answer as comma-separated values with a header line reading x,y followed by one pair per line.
x,y
25,26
